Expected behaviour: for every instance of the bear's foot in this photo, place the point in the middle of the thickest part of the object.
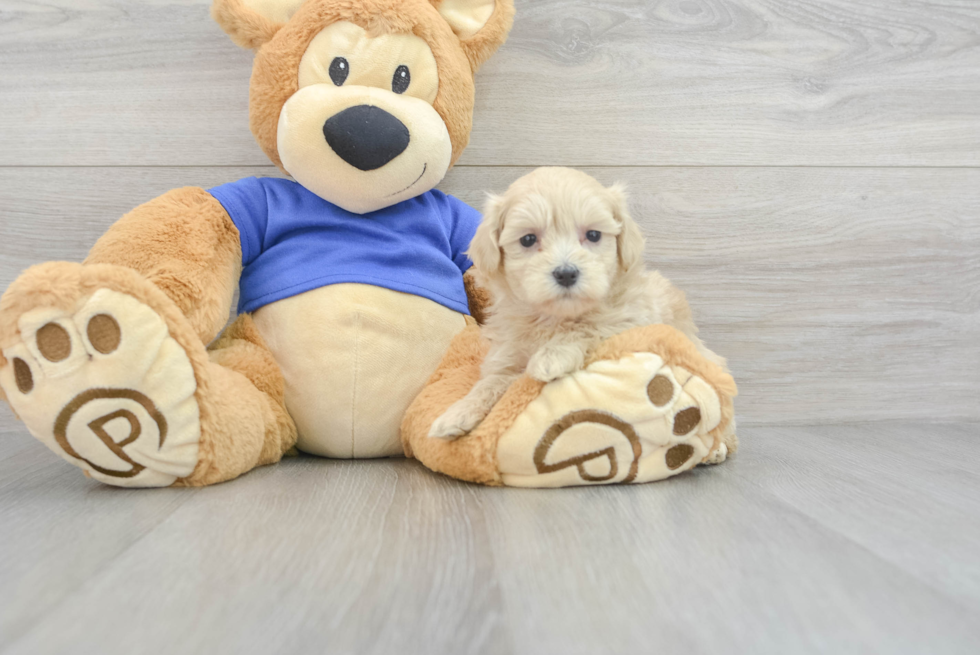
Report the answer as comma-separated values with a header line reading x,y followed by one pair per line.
x,y
97,376
635,419
646,406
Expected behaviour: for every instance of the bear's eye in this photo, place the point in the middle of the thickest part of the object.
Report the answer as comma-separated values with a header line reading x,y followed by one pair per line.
x,y
339,70
529,240
593,236
401,80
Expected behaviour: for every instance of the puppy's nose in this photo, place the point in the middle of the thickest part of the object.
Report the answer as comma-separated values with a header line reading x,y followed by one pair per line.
x,y
366,137
566,276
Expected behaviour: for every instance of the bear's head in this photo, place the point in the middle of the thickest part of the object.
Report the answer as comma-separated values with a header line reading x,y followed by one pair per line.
x,y
366,103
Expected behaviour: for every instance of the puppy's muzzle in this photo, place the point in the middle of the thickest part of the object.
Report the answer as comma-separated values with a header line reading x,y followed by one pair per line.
x,y
366,137
566,276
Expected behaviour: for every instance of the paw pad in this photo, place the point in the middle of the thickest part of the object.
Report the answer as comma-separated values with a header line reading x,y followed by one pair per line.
x,y
686,420
678,455
23,375
104,333
636,419
660,390
53,342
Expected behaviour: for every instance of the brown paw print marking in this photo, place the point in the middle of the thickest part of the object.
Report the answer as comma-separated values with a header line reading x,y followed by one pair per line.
x,y
104,333
98,427
22,375
53,342
660,390
588,416
679,454
686,420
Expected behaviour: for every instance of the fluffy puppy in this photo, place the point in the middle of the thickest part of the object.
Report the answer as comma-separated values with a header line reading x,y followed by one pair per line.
x,y
563,261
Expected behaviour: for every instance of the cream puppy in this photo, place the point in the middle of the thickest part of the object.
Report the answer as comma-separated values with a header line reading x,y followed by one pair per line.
x,y
563,262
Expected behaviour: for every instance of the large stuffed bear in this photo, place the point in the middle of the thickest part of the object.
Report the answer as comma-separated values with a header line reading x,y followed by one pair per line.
x,y
353,283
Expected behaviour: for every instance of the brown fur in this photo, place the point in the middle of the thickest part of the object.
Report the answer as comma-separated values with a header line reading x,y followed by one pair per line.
x,y
483,44
180,254
274,78
237,418
473,457
246,28
186,244
251,426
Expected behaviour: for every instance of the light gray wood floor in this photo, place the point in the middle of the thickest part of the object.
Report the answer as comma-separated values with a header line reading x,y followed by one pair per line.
x,y
834,539
808,171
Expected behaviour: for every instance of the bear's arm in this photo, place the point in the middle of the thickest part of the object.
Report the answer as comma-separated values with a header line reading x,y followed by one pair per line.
x,y
478,297
187,245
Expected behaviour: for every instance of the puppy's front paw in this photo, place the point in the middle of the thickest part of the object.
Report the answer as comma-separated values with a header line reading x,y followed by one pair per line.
x,y
549,364
457,421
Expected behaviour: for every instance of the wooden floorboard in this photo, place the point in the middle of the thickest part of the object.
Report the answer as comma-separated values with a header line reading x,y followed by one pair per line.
x,y
837,294
794,546
59,528
909,497
679,82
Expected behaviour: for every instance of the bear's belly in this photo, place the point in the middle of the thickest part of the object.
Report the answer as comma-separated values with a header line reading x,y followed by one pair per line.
x,y
354,356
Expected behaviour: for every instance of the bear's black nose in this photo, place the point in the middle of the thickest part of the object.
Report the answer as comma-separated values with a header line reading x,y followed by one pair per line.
x,y
566,276
366,137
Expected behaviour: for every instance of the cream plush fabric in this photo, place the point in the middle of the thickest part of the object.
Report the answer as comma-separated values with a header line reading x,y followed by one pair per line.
x,y
647,406
352,364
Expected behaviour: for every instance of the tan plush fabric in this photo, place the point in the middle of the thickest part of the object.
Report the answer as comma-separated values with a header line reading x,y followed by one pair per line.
x,y
246,27
248,424
472,457
185,243
621,368
171,265
274,78
675,348
480,46
235,418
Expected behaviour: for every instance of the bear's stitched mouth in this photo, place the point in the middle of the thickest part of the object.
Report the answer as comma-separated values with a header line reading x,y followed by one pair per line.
x,y
424,167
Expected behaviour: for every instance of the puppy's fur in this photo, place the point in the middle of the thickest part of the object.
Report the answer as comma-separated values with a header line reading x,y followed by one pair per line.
x,y
535,323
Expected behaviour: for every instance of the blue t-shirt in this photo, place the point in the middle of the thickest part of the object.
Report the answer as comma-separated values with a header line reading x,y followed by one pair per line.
x,y
294,241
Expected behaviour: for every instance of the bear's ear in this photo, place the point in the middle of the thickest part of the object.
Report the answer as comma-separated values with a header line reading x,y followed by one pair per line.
x,y
250,23
481,25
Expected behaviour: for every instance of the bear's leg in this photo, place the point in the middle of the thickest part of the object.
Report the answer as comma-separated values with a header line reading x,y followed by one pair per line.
x,y
185,243
252,383
107,371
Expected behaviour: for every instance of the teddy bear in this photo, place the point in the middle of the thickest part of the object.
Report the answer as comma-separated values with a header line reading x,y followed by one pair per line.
x,y
357,318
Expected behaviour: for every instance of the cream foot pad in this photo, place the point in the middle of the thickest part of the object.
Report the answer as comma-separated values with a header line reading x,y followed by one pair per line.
x,y
107,388
646,407
644,421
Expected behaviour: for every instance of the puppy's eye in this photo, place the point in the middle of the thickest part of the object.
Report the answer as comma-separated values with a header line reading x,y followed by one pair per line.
x,y
339,70
593,236
401,80
529,240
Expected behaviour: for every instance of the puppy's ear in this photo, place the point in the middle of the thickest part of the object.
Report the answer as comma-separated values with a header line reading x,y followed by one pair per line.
x,y
629,242
250,23
485,247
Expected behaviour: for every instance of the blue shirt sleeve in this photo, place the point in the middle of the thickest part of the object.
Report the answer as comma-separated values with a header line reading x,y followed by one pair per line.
x,y
465,220
247,204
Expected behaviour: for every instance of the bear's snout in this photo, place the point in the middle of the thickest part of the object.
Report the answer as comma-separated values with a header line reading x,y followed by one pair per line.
x,y
366,137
